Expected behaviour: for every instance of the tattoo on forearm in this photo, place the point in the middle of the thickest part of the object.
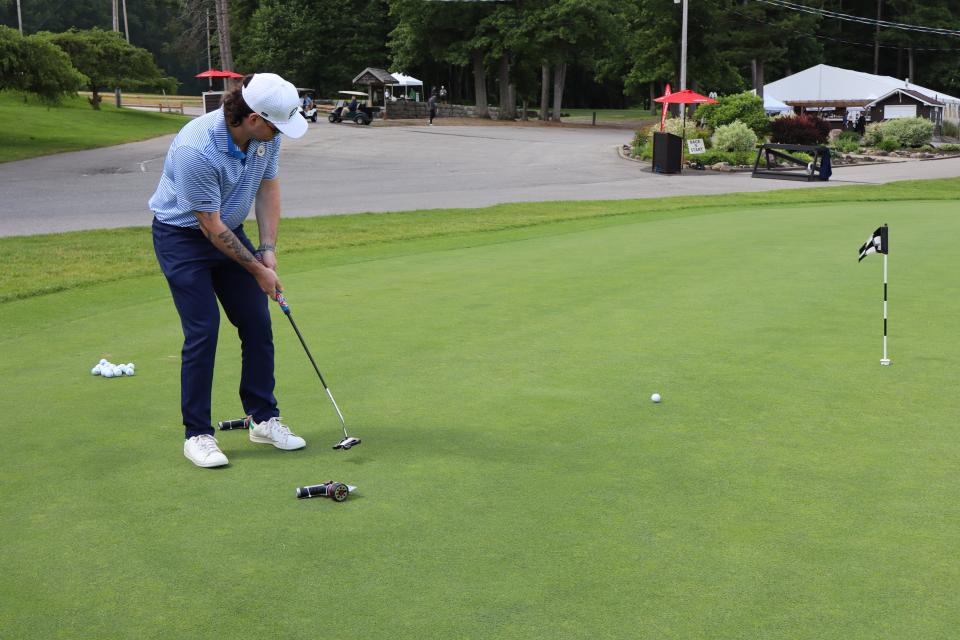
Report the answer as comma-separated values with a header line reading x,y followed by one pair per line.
x,y
233,243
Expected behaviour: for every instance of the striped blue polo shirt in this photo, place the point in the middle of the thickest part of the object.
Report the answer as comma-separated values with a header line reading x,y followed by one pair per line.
x,y
205,171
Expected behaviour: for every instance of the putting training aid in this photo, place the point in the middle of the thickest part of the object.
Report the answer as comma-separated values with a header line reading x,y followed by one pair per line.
x,y
229,425
337,491
347,441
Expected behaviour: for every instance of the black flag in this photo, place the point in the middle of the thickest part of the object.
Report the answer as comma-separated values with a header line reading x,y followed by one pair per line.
x,y
876,244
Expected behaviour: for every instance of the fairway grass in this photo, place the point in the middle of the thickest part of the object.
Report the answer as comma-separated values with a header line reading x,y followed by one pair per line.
x,y
515,481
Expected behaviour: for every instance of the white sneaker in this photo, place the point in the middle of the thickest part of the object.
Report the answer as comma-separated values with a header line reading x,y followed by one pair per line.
x,y
203,451
274,432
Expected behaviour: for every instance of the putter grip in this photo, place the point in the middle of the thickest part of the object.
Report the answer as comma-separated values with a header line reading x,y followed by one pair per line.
x,y
227,425
282,302
313,491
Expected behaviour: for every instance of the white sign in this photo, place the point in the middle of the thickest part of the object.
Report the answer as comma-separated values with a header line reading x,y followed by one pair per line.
x,y
696,146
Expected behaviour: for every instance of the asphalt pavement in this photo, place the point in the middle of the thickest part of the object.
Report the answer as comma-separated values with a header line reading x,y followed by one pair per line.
x,y
345,168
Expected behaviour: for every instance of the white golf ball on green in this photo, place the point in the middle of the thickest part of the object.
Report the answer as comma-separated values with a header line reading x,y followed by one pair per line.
x,y
655,397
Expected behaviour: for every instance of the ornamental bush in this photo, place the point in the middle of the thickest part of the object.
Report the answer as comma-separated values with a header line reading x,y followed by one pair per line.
x,y
909,132
675,126
745,107
873,134
802,129
735,136
889,144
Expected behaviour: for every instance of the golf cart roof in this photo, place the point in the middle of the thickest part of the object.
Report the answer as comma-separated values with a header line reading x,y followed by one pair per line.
x,y
303,90
353,93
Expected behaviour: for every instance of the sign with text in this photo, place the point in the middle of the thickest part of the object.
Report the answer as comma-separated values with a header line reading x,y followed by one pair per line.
x,y
696,146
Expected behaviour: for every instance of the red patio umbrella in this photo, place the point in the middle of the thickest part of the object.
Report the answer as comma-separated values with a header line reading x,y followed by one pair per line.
x,y
217,73
684,97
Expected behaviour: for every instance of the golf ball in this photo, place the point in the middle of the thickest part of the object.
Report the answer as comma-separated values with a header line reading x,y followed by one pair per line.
x,y
107,372
96,370
655,397
103,361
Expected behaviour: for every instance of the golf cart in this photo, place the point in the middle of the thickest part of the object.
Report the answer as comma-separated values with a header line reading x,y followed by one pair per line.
x,y
308,109
341,112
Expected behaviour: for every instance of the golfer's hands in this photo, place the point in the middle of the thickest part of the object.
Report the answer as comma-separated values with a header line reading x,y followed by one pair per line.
x,y
267,258
269,282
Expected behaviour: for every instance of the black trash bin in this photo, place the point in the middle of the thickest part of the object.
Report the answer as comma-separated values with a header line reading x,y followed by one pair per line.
x,y
666,152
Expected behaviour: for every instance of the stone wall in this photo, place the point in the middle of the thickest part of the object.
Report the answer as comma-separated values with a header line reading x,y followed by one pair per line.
x,y
408,109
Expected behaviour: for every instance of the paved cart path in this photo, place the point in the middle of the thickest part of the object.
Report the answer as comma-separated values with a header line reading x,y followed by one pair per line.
x,y
350,169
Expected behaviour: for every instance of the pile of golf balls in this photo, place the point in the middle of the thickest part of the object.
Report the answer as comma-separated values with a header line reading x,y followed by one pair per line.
x,y
107,369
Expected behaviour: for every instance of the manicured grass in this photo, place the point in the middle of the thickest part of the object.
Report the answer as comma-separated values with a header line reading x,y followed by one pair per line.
x,y
515,480
37,129
35,264
625,116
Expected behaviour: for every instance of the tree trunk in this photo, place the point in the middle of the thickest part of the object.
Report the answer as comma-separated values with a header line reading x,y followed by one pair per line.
x,y
508,105
95,98
480,84
653,96
545,92
559,77
223,32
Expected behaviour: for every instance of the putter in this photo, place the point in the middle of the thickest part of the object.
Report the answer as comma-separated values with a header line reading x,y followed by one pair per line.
x,y
348,441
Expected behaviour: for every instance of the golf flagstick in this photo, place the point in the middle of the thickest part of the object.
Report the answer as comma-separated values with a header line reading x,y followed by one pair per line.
x,y
879,243
885,360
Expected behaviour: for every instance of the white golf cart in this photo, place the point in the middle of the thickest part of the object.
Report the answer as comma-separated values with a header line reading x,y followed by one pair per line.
x,y
308,109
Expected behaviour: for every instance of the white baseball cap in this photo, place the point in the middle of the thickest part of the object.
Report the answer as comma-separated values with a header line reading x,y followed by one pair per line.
x,y
277,101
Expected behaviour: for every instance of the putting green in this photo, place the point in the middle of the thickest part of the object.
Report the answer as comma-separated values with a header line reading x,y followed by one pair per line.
x,y
515,481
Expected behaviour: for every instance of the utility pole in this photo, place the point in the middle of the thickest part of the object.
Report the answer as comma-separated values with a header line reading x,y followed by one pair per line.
x,y
116,16
19,18
683,47
209,55
126,26
876,41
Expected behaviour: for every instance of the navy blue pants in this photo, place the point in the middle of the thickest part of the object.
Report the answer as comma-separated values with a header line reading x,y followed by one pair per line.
x,y
199,274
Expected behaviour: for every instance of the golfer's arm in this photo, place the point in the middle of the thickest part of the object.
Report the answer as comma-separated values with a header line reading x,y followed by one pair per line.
x,y
268,213
226,241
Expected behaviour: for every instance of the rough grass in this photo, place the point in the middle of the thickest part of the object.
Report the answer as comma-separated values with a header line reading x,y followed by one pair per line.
x,y
47,263
36,129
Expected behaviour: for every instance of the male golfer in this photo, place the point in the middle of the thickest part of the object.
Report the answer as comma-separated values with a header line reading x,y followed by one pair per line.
x,y
217,167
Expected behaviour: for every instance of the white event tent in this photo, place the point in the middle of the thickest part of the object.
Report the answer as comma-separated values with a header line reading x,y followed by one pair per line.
x,y
823,84
405,82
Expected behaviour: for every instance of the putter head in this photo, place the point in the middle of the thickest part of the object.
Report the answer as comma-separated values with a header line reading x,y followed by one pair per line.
x,y
346,443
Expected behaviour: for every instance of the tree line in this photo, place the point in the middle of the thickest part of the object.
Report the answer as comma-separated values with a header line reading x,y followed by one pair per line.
x,y
543,53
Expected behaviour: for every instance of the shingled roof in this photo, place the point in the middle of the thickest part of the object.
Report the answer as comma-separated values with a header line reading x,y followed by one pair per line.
x,y
371,75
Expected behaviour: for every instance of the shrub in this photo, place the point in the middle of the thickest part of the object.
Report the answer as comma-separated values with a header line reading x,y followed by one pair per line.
x,y
846,145
949,148
735,136
745,107
675,126
713,156
909,132
950,129
802,129
889,144
873,134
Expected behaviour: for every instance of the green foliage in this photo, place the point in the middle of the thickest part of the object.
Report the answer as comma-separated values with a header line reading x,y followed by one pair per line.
x,y
676,127
950,129
949,148
108,61
36,66
321,44
845,145
889,144
735,158
873,134
735,136
909,132
745,107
